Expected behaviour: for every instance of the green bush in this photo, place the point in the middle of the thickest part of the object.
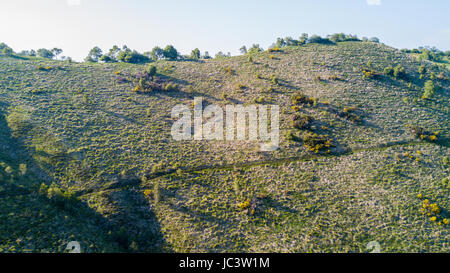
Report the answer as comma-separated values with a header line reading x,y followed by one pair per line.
x,y
134,57
195,54
388,71
151,71
422,70
94,55
301,122
171,87
274,80
45,53
61,198
399,72
170,53
429,90
316,39
315,143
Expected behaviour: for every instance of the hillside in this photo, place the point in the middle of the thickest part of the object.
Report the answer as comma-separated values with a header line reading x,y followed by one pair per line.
x,y
121,183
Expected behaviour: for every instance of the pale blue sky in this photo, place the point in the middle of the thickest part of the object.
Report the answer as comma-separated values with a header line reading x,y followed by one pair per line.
x,y
215,25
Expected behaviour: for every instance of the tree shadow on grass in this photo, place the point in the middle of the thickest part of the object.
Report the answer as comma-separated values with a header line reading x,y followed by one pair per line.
x,y
35,219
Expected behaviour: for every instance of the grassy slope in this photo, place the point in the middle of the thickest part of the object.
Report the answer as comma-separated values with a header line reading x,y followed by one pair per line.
x,y
94,136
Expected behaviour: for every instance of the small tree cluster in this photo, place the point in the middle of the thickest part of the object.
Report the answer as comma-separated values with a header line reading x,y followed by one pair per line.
x,y
5,50
168,53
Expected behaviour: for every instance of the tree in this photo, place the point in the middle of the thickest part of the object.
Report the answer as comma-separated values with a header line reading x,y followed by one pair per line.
x,y
113,53
170,53
303,39
94,55
280,43
206,55
399,72
7,51
157,53
255,49
195,54
337,37
111,56
107,59
374,40
28,53
220,55
243,50
290,41
319,40
3,45
56,52
45,53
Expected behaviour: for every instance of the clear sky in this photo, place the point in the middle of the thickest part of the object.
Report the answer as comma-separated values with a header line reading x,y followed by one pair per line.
x,y
215,25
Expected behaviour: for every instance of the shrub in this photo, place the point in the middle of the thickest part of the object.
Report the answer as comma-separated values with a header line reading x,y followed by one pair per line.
x,y
151,71
441,76
315,143
44,68
240,86
61,198
301,122
244,205
228,71
301,99
422,70
43,189
291,136
274,49
128,56
399,72
369,74
274,80
259,100
107,59
429,90
171,87
349,114
388,71
20,123
319,40
121,79
420,133
335,78
341,37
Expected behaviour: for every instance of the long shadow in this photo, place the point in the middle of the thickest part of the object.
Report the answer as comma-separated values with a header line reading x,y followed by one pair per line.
x,y
36,220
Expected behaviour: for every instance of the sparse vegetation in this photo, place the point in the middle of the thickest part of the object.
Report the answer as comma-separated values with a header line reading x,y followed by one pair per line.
x,y
112,176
